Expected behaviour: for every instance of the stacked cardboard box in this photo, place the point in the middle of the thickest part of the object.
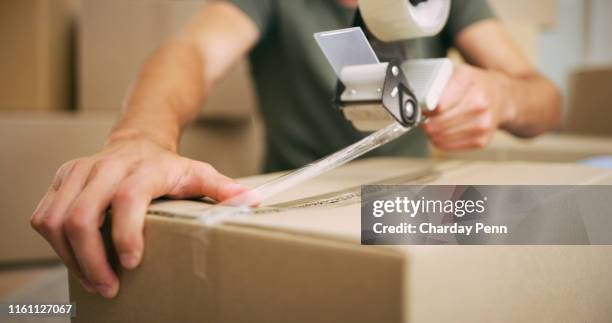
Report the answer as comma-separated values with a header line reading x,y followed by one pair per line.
x,y
116,37
36,39
302,261
590,106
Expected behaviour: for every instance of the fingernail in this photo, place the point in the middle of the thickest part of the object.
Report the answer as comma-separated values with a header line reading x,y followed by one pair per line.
x,y
107,291
87,286
129,260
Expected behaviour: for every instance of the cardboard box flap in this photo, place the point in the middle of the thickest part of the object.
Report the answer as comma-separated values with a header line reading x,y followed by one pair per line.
x,y
340,188
339,215
596,146
334,213
353,175
342,180
524,173
548,148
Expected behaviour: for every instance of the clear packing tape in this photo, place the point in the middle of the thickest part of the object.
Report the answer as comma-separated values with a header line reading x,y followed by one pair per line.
x,y
242,204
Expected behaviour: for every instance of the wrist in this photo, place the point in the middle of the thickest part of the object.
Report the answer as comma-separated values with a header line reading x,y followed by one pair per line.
x,y
123,135
508,110
135,129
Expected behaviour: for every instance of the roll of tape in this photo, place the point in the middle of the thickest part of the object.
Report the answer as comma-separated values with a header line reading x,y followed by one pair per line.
x,y
393,20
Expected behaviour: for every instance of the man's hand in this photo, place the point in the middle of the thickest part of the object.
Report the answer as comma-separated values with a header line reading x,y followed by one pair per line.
x,y
470,110
140,162
126,175
500,89
504,92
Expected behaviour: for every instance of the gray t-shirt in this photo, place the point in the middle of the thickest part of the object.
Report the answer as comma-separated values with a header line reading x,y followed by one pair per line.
x,y
295,84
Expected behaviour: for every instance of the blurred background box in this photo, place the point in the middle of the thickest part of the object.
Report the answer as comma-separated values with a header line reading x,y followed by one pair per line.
x,y
36,37
34,145
117,36
590,105
563,148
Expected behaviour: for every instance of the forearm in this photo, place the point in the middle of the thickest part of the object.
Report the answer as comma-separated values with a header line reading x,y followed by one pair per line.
x,y
528,103
172,85
166,95
532,105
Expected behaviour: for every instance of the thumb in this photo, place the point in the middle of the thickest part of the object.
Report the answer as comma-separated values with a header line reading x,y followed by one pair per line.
x,y
202,179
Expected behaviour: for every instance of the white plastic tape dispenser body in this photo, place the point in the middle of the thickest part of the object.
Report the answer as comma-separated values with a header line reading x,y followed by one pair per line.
x,y
374,94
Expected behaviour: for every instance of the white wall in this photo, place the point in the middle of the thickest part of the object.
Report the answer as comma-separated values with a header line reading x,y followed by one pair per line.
x,y
561,48
599,33
582,36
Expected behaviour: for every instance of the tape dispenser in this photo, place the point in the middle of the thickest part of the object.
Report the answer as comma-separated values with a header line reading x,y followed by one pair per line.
x,y
373,94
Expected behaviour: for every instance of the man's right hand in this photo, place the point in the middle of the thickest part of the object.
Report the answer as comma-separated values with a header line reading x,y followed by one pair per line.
x,y
126,175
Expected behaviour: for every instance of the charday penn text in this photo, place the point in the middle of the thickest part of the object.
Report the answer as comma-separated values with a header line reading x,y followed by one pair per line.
x,y
413,207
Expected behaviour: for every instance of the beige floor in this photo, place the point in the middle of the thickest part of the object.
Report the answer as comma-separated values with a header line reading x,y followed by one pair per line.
x,y
48,284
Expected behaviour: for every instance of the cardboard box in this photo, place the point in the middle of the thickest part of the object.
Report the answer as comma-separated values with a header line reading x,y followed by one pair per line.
x,y
35,145
547,148
302,261
590,106
36,38
116,38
